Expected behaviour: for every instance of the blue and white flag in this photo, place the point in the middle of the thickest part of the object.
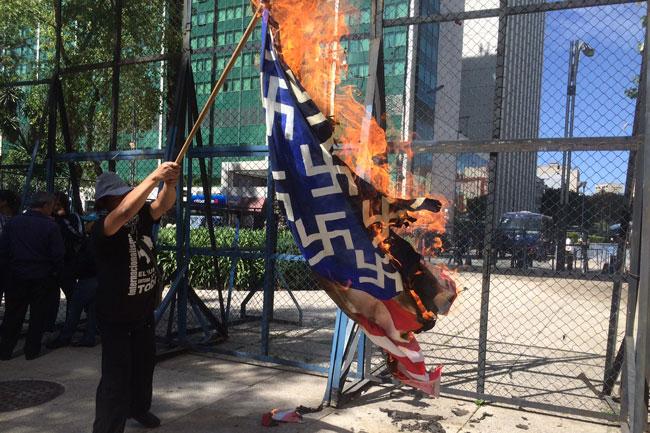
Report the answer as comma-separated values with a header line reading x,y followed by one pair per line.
x,y
334,215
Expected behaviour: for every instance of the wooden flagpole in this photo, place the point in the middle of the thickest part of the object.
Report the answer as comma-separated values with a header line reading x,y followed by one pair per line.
x,y
217,87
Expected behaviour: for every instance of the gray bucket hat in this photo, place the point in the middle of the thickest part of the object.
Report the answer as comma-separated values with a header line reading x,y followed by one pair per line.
x,y
110,184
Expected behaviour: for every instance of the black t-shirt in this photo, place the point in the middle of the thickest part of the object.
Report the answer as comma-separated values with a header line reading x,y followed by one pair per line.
x,y
126,270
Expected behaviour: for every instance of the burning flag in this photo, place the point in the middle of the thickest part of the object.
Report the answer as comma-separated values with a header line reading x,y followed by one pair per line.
x,y
345,227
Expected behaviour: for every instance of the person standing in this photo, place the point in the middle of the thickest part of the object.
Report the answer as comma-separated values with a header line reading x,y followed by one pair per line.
x,y
128,281
9,206
31,250
72,231
83,297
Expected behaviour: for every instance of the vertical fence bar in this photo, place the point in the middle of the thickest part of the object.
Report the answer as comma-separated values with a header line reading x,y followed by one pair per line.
x,y
51,138
634,182
115,96
269,265
490,215
52,101
612,359
639,409
187,257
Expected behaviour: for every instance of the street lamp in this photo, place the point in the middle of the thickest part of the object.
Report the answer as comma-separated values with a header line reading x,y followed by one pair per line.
x,y
575,49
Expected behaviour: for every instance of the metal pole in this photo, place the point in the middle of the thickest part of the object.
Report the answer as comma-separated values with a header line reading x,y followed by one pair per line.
x,y
633,184
565,172
115,96
490,213
639,408
52,101
269,265
222,79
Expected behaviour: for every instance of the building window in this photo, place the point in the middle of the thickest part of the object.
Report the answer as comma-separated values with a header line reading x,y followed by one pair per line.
x,y
246,59
202,19
193,43
390,12
221,39
222,15
363,70
210,17
208,41
365,17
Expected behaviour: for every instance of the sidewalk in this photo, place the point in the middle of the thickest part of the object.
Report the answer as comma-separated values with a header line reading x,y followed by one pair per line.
x,y
200,394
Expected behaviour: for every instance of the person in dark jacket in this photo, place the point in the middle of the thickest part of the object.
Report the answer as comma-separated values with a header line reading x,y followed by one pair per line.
x,y
31,250
83,297
9,207
126,295
72,231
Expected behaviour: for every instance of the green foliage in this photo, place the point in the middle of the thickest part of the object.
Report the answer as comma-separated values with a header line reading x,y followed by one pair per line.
x,y
633,91
250,272
596,211
149,28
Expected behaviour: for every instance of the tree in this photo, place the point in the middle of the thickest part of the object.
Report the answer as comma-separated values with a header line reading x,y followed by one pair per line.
x,y
88,38
633,91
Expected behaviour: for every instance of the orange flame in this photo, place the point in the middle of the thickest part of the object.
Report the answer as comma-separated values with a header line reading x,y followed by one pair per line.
x,y
310,34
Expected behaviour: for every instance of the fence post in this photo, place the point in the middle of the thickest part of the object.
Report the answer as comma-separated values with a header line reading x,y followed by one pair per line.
x,y
490,216
269,264
115,96
638,407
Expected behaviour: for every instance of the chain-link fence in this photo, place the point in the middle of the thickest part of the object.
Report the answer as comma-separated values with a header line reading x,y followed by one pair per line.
x,y
524,114
538,231
84,88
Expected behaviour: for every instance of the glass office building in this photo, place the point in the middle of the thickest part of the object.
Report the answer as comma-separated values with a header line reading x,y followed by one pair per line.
x,y
410,58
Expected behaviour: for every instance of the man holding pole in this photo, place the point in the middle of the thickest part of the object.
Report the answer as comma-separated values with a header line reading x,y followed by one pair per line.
x,y
128,282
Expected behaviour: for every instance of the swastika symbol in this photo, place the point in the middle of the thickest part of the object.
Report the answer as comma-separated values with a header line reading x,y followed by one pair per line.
x,y
324,235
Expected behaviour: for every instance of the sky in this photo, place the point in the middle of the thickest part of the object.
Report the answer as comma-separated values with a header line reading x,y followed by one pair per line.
x,y
602,108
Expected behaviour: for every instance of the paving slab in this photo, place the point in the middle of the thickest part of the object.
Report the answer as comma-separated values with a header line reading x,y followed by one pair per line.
x,y
204,394
489,419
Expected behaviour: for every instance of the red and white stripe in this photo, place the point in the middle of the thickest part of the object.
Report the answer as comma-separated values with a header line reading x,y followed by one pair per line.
x,y
411,368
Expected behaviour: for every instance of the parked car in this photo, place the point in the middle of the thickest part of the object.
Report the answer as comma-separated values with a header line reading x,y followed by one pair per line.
x,y
197,221
526,236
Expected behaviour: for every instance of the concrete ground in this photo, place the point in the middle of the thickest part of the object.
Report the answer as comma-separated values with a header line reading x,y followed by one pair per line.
x,y
200,394
547,337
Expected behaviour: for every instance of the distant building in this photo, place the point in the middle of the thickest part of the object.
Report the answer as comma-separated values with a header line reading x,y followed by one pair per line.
x,y
516,187
471,183
615,188
551,175
436,95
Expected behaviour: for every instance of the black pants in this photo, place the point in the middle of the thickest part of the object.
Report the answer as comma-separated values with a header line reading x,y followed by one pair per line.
x,y
67,284
18,296
128,358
